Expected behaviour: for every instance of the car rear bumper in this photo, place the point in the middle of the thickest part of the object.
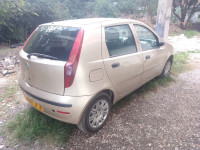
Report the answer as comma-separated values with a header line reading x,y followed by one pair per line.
x,y
64,108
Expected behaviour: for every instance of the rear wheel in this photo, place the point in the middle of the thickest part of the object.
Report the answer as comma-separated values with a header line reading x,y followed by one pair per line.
x,y
167,69
95,114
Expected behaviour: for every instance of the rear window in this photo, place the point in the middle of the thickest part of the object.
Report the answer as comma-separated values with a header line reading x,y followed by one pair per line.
x,y
56,41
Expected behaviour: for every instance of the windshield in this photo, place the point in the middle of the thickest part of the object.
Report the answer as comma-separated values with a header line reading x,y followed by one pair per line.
x,y
55,41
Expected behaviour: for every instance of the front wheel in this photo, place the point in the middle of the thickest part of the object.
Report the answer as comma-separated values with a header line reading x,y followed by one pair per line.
x,y
166,69
95,114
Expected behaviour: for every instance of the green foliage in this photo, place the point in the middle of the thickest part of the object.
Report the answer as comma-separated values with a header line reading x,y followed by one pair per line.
x,y
10,14
183,10
187,33
137,9
191,33
128,7
106,8
180,61
32,125
175,34
19,18
9,92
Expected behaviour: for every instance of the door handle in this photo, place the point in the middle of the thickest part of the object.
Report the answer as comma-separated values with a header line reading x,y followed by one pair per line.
x,y
147,57
115,65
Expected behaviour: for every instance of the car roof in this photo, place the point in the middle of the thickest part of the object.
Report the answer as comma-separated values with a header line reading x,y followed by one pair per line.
x,y
90,21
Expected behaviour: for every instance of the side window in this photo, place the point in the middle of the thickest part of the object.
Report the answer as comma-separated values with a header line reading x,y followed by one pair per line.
x,y
120,40
147,38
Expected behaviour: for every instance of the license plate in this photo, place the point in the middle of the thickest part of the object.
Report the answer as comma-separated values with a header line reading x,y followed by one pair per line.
x,y
37,106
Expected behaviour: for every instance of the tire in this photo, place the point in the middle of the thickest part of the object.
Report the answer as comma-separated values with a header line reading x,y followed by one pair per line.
x,y
96,114
166,70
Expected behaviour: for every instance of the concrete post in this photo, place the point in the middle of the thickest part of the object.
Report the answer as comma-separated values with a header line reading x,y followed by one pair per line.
x,y
163,18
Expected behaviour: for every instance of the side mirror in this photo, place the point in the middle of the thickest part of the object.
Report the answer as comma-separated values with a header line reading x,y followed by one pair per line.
x,y
161,43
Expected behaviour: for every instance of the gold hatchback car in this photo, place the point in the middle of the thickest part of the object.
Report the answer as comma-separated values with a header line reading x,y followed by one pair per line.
x,y
75,70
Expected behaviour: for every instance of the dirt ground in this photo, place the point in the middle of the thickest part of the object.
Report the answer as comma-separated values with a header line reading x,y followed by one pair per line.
x,y
181,43
168,118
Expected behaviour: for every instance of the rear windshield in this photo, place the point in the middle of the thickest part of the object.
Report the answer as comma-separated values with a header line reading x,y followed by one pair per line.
x,y
56,41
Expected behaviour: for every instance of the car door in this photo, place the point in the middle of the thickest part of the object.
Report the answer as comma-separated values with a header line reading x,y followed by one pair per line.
x,y
123,62
153,54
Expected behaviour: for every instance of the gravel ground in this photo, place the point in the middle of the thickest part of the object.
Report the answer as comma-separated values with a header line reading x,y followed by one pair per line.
x,y
168,118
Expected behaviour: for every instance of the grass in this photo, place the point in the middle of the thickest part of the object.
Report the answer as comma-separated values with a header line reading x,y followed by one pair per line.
x,y
191,33
180,62
6,51
3,50
9,92
32,125
175,34
188,33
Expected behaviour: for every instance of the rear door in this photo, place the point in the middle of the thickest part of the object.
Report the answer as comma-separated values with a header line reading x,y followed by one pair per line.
x,y
153,55
44,56
123,61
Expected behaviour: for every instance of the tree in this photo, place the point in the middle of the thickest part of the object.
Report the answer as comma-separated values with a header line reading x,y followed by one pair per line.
x,y
139,9
106,8
10,14
20,17
43,11
183,8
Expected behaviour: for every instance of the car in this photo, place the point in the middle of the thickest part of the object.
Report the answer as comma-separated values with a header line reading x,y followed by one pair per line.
x,y
75,70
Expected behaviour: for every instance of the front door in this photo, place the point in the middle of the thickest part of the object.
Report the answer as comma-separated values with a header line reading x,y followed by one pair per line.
x,y
153,55
123,62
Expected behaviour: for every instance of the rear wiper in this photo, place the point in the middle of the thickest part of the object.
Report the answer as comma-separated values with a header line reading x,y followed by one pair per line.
x,y
41,56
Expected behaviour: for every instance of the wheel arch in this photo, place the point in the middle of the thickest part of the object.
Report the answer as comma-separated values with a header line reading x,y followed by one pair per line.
x,y
81,123
171,58
109,92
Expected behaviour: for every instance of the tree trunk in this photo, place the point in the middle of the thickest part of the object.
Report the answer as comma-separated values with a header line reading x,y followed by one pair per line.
x,y
188,7
163,18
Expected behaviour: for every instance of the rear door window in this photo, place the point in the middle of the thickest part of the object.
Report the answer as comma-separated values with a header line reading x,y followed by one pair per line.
x,y
56,41
120,40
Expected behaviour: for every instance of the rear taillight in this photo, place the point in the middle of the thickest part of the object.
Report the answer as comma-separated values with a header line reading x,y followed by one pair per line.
x,y
29,38
72,63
